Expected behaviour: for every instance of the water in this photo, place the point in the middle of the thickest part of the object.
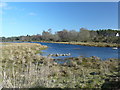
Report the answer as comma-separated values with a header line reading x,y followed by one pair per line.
x,y
78,50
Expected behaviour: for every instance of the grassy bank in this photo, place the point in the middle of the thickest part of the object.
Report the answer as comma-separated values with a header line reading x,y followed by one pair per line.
x,y
16,62
23,68
97,44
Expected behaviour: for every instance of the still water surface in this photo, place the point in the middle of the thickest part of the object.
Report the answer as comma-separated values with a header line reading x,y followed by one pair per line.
x,y
78,50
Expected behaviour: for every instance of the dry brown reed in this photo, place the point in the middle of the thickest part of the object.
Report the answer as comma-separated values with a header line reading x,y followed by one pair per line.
x,y
22,67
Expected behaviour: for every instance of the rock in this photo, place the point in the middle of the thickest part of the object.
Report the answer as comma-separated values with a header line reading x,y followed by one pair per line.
x,y
94,73
55,63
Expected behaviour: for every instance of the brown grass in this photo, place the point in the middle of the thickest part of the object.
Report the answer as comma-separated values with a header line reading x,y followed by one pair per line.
x,y
23,68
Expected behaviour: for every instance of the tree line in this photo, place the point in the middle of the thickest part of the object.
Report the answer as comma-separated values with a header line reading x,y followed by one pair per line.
x,y
83,35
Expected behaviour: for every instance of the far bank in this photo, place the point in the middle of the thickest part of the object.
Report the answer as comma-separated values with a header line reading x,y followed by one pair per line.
x,y
96,44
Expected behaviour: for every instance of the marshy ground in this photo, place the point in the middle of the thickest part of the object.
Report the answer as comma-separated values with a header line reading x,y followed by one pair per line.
x,y
22,67
96,44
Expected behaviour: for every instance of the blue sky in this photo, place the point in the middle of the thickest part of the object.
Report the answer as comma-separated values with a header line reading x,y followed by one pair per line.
x,y
22,18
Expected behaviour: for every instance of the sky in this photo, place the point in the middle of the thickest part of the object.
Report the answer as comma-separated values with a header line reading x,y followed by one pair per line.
x,y
31,18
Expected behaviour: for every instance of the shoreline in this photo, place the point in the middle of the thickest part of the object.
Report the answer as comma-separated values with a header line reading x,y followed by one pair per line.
x,y
20,60
85,43
94,44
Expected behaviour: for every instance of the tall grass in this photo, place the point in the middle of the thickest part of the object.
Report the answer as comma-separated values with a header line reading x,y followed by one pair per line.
x,y
22,67
19,68
96,44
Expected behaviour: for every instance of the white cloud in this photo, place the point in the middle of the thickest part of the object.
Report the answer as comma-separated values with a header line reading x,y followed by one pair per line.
x,y
32,14
3,4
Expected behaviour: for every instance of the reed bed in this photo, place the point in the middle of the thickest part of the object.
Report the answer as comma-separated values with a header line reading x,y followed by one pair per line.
x,y
18,64
22,67
96,44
